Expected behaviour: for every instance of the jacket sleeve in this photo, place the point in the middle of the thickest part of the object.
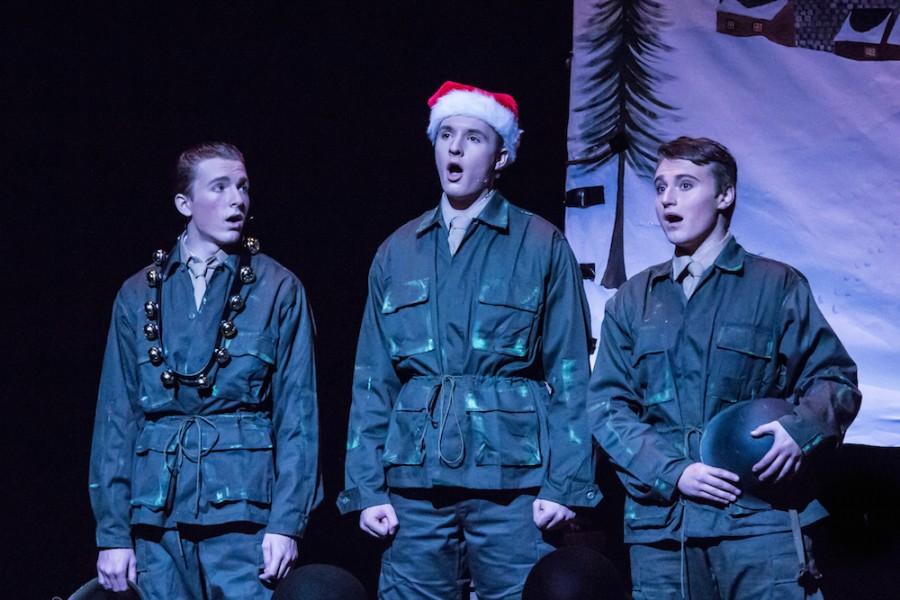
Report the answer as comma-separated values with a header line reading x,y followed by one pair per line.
x,y
648,465
116,425
816,371
375,387
298,484
569,477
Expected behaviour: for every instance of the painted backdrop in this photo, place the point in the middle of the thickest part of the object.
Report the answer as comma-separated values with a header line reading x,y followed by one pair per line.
x,y
806,95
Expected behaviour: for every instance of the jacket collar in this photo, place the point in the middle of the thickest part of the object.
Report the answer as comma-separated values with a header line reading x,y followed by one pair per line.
x,y
495,214
730,260
175,259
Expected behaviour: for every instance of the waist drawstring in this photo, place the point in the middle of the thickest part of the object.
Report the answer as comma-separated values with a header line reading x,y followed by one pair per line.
x,y
688,433
442,397
178,449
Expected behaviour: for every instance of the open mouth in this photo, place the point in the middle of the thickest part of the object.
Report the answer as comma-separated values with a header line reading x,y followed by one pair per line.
x,y
673,218
454,172
236,219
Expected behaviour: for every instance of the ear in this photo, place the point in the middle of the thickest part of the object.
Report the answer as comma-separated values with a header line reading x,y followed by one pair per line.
x,y
725,199
502,159
183,204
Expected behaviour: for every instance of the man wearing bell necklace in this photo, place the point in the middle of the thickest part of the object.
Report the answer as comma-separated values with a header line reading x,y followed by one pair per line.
x,y
204,464
468,434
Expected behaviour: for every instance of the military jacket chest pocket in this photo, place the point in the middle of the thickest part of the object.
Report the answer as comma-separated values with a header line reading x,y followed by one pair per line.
x,y
246,375
505,317
406,317
654,373
743,355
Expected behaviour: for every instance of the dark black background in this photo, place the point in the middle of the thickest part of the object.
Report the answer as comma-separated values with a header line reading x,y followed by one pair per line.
x,y
327,101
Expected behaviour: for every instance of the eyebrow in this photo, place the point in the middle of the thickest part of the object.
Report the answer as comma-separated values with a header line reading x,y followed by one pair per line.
x,y
678,177
467,130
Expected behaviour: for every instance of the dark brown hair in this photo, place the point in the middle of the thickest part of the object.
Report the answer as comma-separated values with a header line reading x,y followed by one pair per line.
x,y
190,158
704,151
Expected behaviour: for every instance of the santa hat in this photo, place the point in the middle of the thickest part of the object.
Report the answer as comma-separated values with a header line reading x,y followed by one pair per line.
x,y
500,111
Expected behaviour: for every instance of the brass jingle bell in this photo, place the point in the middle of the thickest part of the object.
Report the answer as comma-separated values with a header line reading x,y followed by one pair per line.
x,y
156,355
153,278
236,303
228,329
159,257
150,309
222,356
251,244
203,381
247,275
151,331
168,378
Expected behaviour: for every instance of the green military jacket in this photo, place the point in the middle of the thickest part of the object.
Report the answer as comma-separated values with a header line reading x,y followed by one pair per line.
x,y
667,365
246,448
471,370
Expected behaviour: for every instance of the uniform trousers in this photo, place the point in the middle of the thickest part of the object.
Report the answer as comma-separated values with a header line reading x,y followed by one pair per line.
x,y
448,535
193,562
760,566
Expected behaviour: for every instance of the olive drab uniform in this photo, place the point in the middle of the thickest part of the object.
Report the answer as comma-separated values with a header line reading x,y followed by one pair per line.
x,y
206,434
666,365
469,393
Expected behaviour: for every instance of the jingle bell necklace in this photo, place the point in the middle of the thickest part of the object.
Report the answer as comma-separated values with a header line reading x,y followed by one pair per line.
x,y
234,304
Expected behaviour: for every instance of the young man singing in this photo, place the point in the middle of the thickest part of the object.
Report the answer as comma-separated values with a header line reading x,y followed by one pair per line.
x,y
468,434
681,342
204,466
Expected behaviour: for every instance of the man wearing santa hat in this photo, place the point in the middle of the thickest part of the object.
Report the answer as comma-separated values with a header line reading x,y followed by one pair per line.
x,y
468,436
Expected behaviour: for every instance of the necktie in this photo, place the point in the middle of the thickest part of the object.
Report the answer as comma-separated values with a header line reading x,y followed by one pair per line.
x,y
691,277
458,226
198,269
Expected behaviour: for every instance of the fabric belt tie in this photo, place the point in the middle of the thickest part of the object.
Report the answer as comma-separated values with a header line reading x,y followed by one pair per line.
x,y
177,449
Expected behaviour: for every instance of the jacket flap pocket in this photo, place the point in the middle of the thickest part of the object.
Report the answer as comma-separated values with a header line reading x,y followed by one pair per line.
x,y
514,396
414,396
511,293
260,345
648,340
404,293
747,339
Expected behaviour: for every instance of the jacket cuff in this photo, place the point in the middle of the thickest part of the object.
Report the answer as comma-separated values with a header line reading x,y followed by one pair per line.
x,y
665,486
106,540
585,496
806,435
354,499
293,527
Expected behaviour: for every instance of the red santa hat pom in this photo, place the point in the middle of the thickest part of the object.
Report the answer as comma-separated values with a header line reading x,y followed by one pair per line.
x,y
500,111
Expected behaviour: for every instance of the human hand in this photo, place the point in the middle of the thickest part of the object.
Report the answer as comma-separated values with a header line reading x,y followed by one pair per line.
x,y
279,555
548,514
703,482
784,458
378,521
115,568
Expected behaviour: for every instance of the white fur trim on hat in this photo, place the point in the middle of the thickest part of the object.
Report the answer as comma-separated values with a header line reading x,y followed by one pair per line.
x,y
480,106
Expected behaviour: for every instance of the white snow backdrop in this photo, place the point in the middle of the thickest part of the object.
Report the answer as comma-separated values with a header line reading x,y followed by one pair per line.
x,y
817,141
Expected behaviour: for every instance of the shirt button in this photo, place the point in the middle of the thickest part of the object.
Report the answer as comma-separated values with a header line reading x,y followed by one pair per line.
x,y
590,495
191,315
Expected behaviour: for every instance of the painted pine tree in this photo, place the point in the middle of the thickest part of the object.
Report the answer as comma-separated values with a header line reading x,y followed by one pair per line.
x,y
616,103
